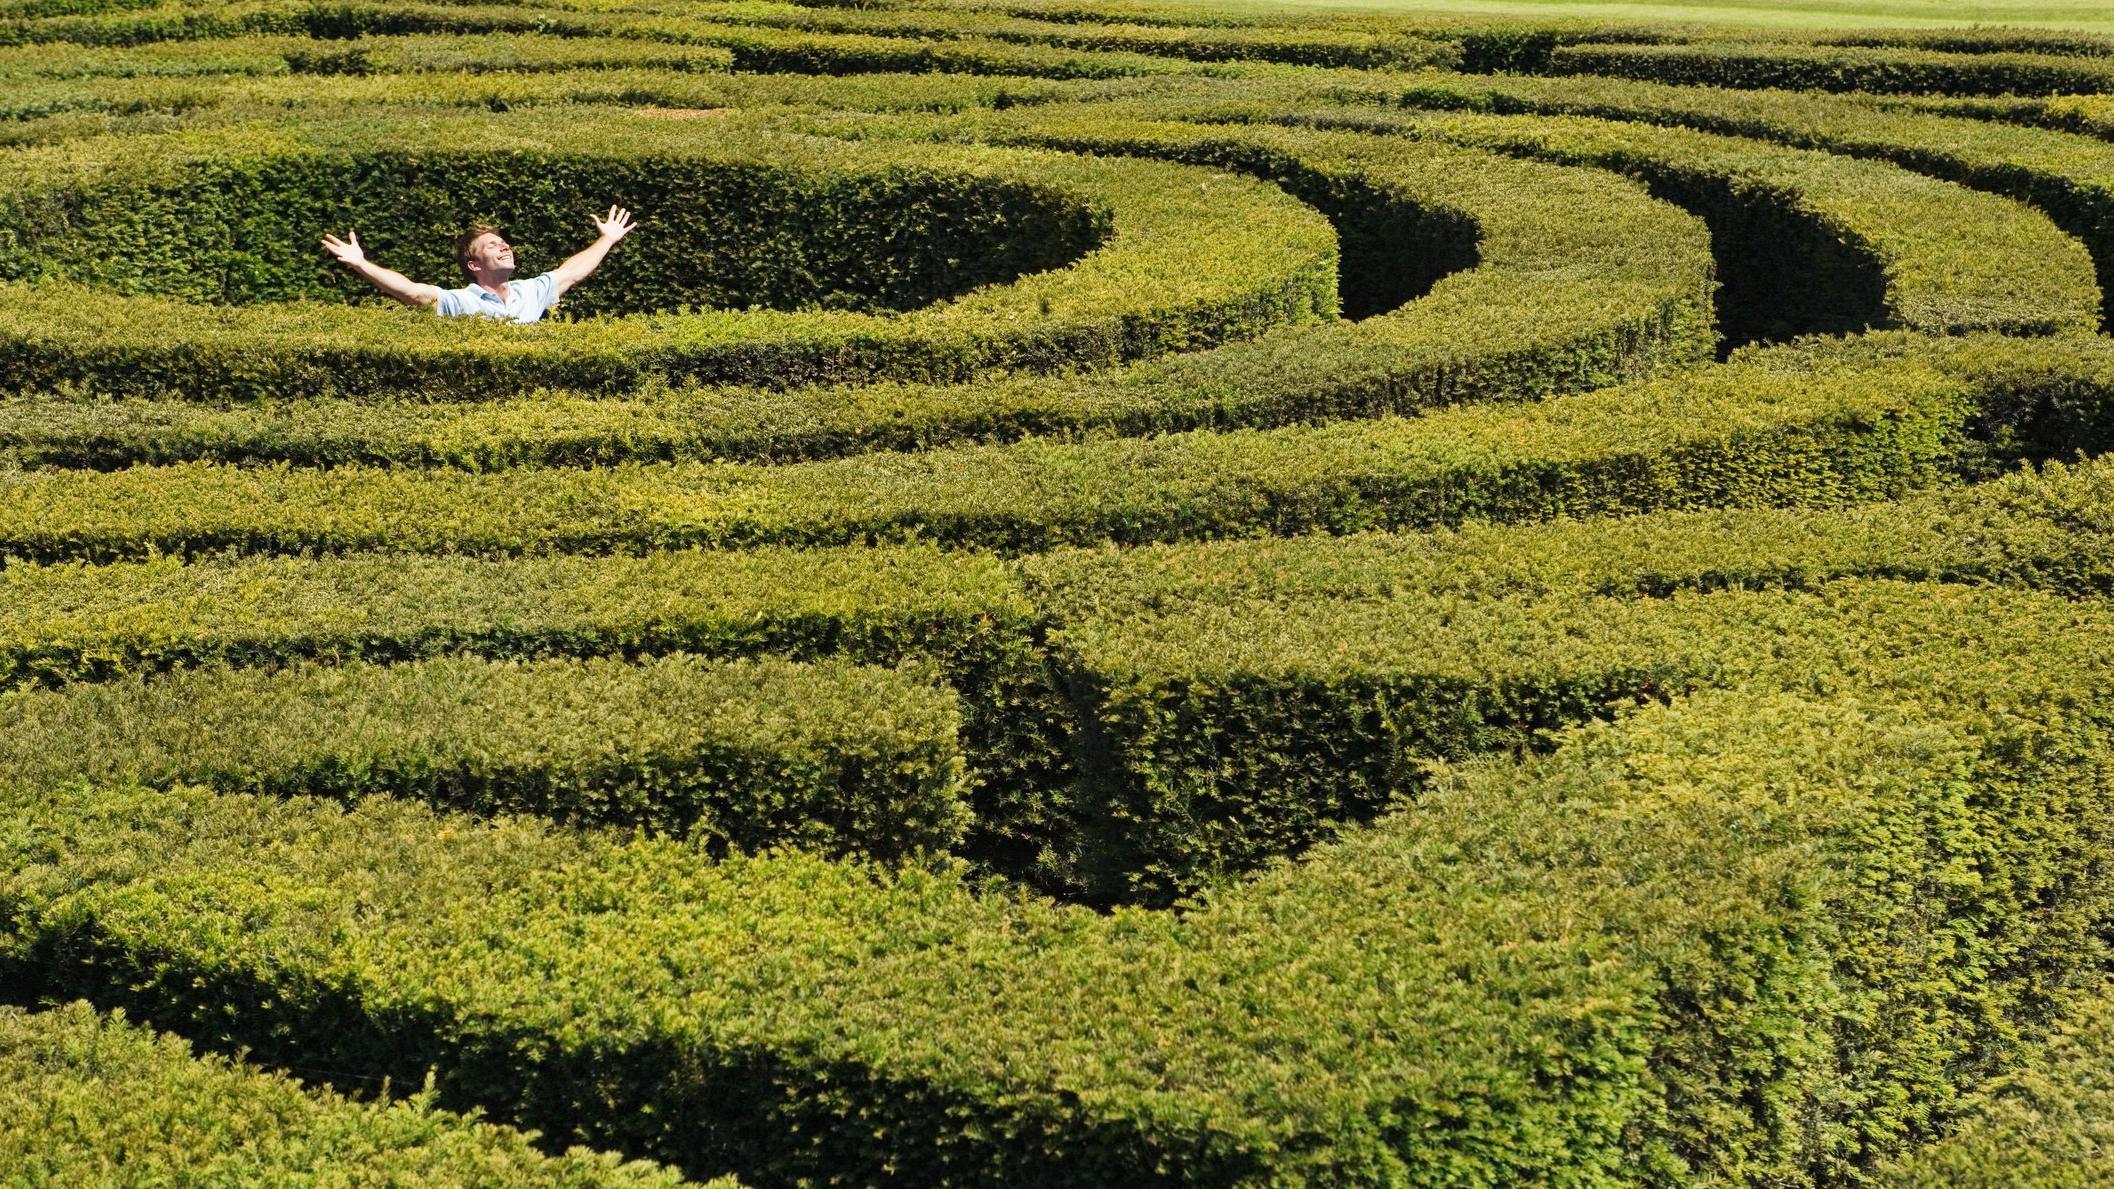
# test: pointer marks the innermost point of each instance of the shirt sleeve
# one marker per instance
(449, 305)
(549, 296)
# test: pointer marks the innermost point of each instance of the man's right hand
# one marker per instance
(347, 250)
(394, 284)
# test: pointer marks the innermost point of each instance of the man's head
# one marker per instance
(485, 256)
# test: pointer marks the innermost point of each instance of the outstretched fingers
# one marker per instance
(616, 224)
(347, 249)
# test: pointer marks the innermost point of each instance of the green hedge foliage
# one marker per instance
(165, 61)
(1897, 71)
(2087, 114)
(1742, 436)
(1390, 256)
(889, 241)
(1182, 265)
(94, 1099)
(1676, 946)
(51, 8)
(751, 46)
(1808, 242)
(1165, 649)
(72, 623)
(2046, 529)
(776, 37)
(1693, 797)
(1307, 45)
(2050, 1124)
(432, 61)
(58, 110)
(828, 756)
(958, 613)
(518, 53)
(1238, 707)
(1549, 305)
(1984, 40)
(2068, 178)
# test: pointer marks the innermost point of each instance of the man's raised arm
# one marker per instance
(608, 230)
(389, 281)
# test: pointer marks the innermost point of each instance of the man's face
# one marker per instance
(490, 259)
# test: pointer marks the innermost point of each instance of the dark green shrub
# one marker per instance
(2050, 1123)
(1810, 243)
(1575, 307)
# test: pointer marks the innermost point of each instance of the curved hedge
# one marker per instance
(1848, 245)
(1701, 978)
(1821, 68)
(81, 1091)
(1576, 307)
(1263, 261)
(1702, 780)
(830, 756)
(1739, 435)
(2069, 178)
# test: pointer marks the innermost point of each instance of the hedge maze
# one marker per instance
(1100, 595)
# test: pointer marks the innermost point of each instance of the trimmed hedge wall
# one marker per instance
(829, 756)
(1893, 71)
(1737, 435)
(1232, 706)
(1752, 831)
(751, 47)
(734, 233)
(2092, 115)
(1544, 970)
(94, 1099)
(2068, 178)
(1548, 306)
(1812, 243)
(961, 614)
(71, 622)
(1184, 265)
(2050, 1124)
(1225, 736)
(48, 111)
(781, 37)
(2047, 529)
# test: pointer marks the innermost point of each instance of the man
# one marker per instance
(488, 261)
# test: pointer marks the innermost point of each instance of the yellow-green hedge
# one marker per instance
(1736, 435)
(1631, 958)
(829, 756)
(87, 1099)
(1183, 260)
(1543, 301)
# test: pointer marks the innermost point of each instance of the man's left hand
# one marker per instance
(614, 226)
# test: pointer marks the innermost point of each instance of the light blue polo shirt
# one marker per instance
(525, 301)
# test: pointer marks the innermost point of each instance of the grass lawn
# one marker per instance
(2094, 16)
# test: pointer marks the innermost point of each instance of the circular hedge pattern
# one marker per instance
(995, 258)
(1094, 598)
